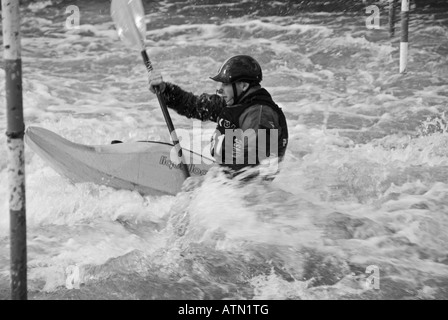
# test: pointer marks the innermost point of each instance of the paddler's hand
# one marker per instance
(156, 82)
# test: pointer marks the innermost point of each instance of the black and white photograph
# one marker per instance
(236, 152)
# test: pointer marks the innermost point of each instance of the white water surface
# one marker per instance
(364, 181)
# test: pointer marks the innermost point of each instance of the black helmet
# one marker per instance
(239, 68)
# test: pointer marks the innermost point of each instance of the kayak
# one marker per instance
(143, 166)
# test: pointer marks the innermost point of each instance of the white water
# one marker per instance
(364, 181)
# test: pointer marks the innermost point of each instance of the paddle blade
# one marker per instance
(129, 19)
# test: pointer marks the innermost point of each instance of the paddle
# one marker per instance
(129, 19)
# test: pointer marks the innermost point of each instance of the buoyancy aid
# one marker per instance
(229, 118)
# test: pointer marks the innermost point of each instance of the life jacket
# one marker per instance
(229, 119)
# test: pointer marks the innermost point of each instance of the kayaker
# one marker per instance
(239, 103)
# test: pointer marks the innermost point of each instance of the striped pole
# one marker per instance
(404, 35)
(392, 17)
(16, 163)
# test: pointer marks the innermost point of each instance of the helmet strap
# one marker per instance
(235, 93)
(236, 97)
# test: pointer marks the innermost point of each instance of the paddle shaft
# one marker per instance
(167, 117)
(129, 20)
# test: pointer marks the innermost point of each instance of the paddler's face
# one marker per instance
(225, 90)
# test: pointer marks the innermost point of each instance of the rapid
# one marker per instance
(362, 193)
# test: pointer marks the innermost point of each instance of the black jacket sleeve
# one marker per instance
(204, 107)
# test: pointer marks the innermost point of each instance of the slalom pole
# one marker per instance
(392, 4)
(404, 45)
(16, 158)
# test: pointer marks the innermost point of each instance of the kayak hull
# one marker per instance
(145, 167)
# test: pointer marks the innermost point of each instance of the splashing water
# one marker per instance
(364, 182)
